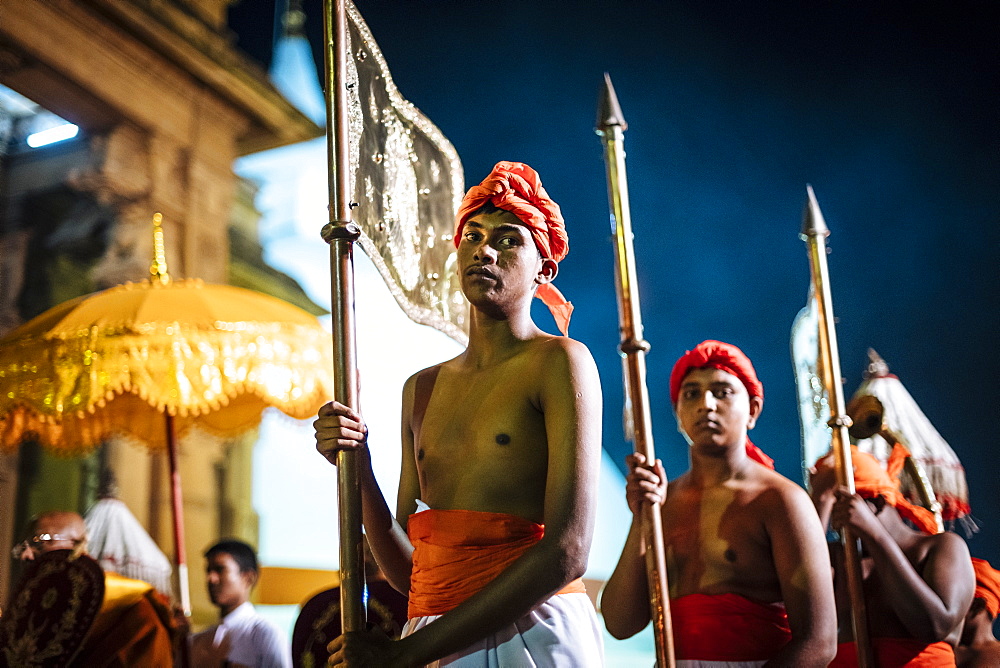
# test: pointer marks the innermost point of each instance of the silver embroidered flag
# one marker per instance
(407, 180)
(814, 404)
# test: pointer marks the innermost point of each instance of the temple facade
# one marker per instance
(163, 103)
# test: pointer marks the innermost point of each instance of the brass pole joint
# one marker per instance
(841, 421)
(631, 346)
(345, 229)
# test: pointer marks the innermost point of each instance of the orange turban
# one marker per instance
(987, 585)
(515, 187)
(870, 481)
(718, 355)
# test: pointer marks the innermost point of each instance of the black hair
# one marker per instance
(487, 207)
(241, 553)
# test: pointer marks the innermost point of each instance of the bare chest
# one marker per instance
(716, 542)
(482, 443)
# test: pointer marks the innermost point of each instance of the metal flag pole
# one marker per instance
(341, 233)
(611, 127)
(814, 233)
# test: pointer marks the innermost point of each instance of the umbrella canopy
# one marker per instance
(114, 362)
(148, 361)
(909, 424)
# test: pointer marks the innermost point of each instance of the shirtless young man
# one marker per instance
(503, 444)
(917, 584)
(747, 564)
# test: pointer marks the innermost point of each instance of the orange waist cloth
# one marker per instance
(458, 552)
(898, 653)
(727, 627)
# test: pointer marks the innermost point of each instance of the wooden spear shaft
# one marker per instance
(814, 233)
(341, 233)
(633, 348)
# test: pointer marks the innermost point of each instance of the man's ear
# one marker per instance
(251, 576)
(756, 406)
(547, 272)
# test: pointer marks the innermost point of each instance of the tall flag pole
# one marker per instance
(611, 127)
(341, 233)
(395, 182)
(814, 233)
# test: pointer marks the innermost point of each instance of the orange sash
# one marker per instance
(458, 552)
(899, 653)
(727, 627)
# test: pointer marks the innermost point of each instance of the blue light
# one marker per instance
(52, 135)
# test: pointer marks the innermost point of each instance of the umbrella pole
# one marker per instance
(180, 555)
(341, 233)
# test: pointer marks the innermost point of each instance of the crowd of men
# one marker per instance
(494, 514)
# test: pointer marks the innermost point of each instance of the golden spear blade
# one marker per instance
(611, 127)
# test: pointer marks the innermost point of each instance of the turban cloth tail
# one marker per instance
(987, 585)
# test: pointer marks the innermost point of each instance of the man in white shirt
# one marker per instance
(242, 637)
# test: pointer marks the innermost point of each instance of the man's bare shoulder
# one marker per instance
(779, 494)
(946, 545)
(548, 344)
(410, 386)
(554, 349)
(774, 480)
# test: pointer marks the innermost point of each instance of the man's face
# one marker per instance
(227, 586)
(498, 260)
(714, 409)
(54, 531)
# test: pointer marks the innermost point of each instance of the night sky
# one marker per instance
(889, 110)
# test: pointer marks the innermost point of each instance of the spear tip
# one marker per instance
(609, 112)
(813, 223)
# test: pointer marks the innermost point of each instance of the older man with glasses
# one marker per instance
(134, 626)
(54, 530)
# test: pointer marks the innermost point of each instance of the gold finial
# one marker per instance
(158, 269)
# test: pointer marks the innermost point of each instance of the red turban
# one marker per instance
(871, 480)
(718, 355)
(515, 187)
(987, 585)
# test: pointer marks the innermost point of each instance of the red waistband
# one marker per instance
(727, 627)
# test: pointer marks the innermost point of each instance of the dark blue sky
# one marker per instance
(890, 111)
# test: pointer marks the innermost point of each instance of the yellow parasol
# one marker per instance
(150, 360)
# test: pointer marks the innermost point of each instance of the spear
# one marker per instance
(633, 348)
(814, 233)
(341, 232)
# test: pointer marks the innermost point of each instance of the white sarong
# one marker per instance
(562, 632)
